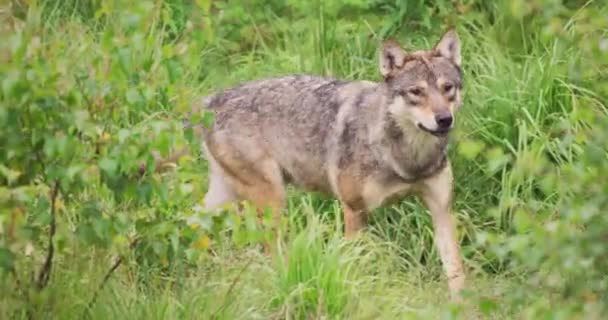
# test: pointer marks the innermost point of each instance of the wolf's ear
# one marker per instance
(449, 46)
(392, 58)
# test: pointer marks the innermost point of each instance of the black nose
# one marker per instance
(444, 120)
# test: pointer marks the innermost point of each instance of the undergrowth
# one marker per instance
(91, 89)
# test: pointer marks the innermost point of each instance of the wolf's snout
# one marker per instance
(444, 120)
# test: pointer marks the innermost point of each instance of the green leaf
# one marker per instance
(208, 119)
(497, 159)
(73, 172)
(133, 96)
(123, 134)
(205, 5)
(522, 221)
(487, 306)
(109, 166)
(80, 119)
(10, 174)
(469, 148)
(7, 259)
(174, 70)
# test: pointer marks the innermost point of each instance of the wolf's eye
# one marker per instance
(416, 92)
(447, 88)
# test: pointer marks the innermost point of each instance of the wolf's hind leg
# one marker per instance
(248, 171)
(251, 176)
(266, 192)
(219, 192)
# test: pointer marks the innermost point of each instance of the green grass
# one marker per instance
(142, 65)
(319, 275)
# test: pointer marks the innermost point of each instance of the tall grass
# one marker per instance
(141, 67)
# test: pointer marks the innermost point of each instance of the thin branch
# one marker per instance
(45, 272)
(23, 293)
(86, 97)
(107, 276)
(227, 302)
(20, 290)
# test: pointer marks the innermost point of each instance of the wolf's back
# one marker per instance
(290, 118)
(283, 90)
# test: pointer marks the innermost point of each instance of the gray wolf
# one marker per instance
(365, 143)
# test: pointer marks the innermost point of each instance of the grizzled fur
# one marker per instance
(294, 119)
(291, 117)
(366, 143)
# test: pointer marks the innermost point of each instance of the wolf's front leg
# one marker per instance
(437, 195)
(354, 220)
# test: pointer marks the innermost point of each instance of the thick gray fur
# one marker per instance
(295, 120)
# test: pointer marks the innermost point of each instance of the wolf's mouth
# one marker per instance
(438, 133)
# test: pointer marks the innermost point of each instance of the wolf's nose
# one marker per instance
(444, 120)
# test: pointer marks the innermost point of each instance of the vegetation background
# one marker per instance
(90, 88)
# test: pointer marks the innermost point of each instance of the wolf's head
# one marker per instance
(424, 86)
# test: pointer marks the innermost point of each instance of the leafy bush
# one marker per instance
(91, 91)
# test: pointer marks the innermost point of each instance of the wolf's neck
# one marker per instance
(410, 152)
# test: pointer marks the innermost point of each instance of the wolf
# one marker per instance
(366, 143)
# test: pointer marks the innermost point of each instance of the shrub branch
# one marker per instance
(107, 276)
(228, 301)
(45, 272)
